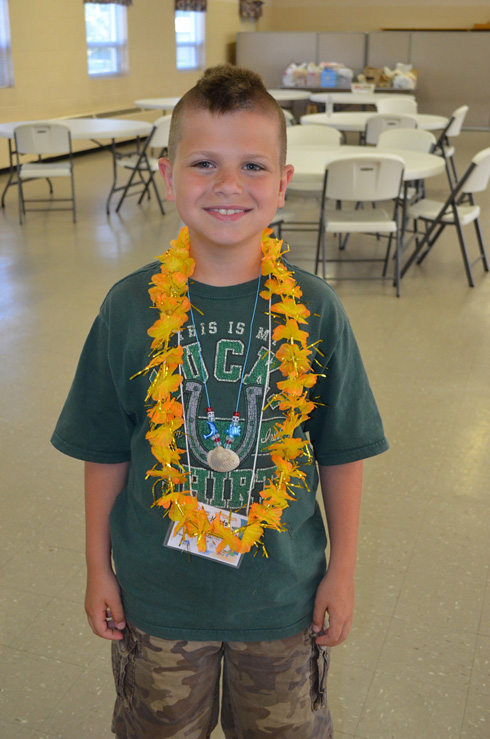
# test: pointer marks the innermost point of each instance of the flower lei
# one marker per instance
(169, 296)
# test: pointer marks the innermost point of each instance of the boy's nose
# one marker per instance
(228, 182)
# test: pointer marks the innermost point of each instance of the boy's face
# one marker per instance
(227, 179)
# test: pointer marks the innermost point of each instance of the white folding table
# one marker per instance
(356, 121)
(91, 129)
(310, 162)
(163, 104)
(330, 99)
(289, 96)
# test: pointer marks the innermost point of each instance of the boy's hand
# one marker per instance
(335, 596)
(104, 607)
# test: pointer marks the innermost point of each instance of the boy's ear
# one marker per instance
(165, 168)
(287, 173)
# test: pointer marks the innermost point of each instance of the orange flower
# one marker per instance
(276, 495)
(176, 261)
(290, 331)
(169, 499)
(163, 386)
(226, 534)
(265, 514)
(285, 285)
(169, 474)
(165, 327)
(285, 467)
(167, 456)
(295, 385)
(251, 537)
(291, 309)
(302, 405)
(294, 359)
(166, 412)
(290, 448)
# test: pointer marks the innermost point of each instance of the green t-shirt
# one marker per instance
(166, 592)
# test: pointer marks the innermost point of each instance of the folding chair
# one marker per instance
(371, 177)
(380, 122)
(445, 148)
(143, 167)
(43, 139)
(413, 139)
(290, 120)
(398, 105)
(315, 135)
(453, 213)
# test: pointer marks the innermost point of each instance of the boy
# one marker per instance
(176, 606)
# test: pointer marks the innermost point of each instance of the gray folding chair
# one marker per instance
(438, 215)
(43, 139)
(380, 122)
(143, 166)
(403, 105)
(314, 135)
(363, 178)
(290, 120)
(413, 139)
(444, 146)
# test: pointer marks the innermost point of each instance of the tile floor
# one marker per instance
(417, 663)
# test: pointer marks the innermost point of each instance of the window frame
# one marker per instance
(197, 45)
(119, 45)
(6, 66)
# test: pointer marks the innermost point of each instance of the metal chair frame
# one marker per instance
(381, 226)
(456, 197)
(443, 145)
(42, 168)
(141, 165)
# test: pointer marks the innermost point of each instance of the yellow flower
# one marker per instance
(290, 331)
(302, 405)
(167, 411)
(265, 514)
(250, 537)
(166, 327)
(276, 494)
(167, 456)
(289, 448)
(294, 359)
(226, 534)
(291, 309)
(163, 386)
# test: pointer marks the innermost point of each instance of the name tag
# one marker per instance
(175, 538)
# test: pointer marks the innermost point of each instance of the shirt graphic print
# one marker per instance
(224, 347)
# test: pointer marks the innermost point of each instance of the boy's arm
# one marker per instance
(103, 483)
(341, 489)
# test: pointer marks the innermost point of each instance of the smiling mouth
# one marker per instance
(228, 211)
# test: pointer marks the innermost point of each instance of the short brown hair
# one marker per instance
(227, 89)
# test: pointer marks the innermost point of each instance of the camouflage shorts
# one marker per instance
(275, 689)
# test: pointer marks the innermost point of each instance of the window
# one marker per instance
(107, 39)
(6, 72)
(189, 36)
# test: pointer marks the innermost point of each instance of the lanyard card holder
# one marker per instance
(175, 539)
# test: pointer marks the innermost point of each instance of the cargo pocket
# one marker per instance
(320, 661)
(123, 667)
